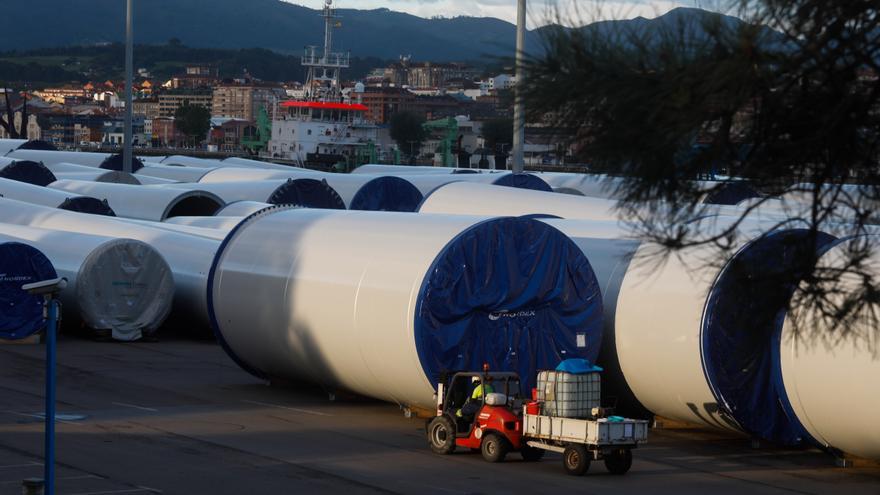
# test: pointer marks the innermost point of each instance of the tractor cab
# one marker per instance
(467, 394)
(478, 411)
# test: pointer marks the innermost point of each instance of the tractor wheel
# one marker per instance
(441, 435)
(619, 461)
(495, 447)
(531, 454)
(576, 460)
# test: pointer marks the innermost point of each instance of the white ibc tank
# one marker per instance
(146, 203)
(832, 376)
(420, 295)
(121, 285)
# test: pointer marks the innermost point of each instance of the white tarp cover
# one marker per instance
(126, 286)
(121, 285)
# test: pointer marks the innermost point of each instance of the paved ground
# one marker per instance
(179, 417)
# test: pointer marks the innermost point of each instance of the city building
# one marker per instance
(502, 82)
(244, 101)
(165, 133)
(195, 77)
(170, 101)
(227, 134)
(33, 127)
(146, 107)
(383, 102)
(423, 75)
(62, 95)
(66, 130)
(114, 132)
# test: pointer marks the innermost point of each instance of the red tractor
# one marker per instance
(490, 422)
(485, 412)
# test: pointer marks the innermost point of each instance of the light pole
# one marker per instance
(519, 110)
(129, 82)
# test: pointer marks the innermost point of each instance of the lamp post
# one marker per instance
(129, 82)
(519, 110)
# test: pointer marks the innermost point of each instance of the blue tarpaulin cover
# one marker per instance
(28, 171)
(577, 367)
(523, 181)
(87, 204)
(115, 162)
(38, 144)
(307, 193)
(22, 313)
(731, 193)
(511, 292)
(742, 326)
(387, 194)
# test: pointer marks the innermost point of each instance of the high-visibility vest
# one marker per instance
(478, 392)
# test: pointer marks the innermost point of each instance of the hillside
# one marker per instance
(266, 38)
(269, 24)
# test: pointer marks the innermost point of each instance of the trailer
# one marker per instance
(486, 412)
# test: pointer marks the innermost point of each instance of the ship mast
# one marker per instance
(324, 67)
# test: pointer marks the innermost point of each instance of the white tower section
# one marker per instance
(324, 67)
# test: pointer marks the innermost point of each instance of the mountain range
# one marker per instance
(275, 25)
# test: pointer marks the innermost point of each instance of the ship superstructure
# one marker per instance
(325, 127)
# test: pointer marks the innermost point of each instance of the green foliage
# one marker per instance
(58, 65)
(794, 109)
(194, 121)
(407, 130)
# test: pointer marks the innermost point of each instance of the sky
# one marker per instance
(540, 11)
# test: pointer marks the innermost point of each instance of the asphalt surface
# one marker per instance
(178, 417)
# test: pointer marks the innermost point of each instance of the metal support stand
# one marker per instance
(49, 290)
(51, 347)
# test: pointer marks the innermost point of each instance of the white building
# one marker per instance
(502, 82)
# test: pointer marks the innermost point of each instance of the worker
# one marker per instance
(475, 401)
